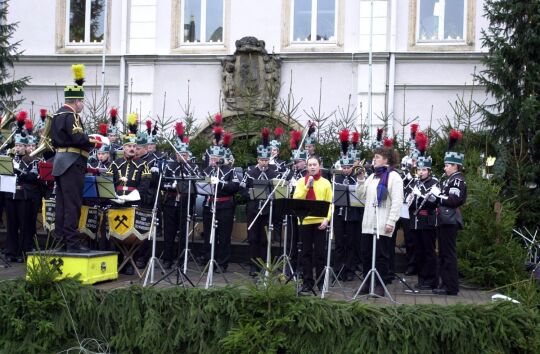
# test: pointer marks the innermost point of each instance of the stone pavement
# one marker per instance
(237, 274)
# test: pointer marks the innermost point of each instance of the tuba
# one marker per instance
(45, 143)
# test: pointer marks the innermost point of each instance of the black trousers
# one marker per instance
(313, 247)
(174, 220)
(409, 243)
(426, 258)
(448, 270)
(69, 193)
(382, 256)
(347, 237)
(257, 236)
(225, 220)
(19, 226)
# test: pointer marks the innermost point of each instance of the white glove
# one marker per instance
(293, 182)
(409, 176)
(174, 185)
(310, 182)
(435, 190)
(242, 184)
(214, 180)
(123, 179)
(416, 191)
(154, 169)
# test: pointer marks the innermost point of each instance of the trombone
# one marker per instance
(45, 139)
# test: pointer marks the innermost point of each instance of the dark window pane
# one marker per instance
(76, 20)
(326, 17)
(429, 20)
(192, 21)
(454, 13)
(214, 20)
(98, 20)
(302, 20)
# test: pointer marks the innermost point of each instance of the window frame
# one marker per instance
(87, 22)
(314, 18)
(440, 26)
(466, 45)
(183, 43)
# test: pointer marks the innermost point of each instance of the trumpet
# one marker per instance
(359, 168)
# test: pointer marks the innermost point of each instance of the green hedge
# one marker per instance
(233, 320)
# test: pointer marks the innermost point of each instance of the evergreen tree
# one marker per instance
(512, 77)
(9, 53)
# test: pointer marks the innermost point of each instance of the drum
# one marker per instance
(129, 225)
(89, 221)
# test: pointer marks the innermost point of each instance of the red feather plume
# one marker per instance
(278, 132)
(179, 127)
(185, 140)
(28, 124)
(43, 113)
(388, 143)
(421, 142)
(355, 138)
(414, 128)
(103, 129)
(227, 139)
(148, 126)
(265, 132)
(217, 134)
(218, 118)
(21, 116)
(344, 135)
(454, 137)
(296, 135)
(114, 112)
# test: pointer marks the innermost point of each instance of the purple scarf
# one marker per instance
(382, 188)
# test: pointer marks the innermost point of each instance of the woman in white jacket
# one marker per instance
(383, 195)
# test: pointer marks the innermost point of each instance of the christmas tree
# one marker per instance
(9, 53)
(512, 76)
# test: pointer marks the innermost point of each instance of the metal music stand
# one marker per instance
(301, 208)
(262, 190)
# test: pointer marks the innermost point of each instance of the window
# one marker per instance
(313, 21)
(441, 21)
(85, 22)
(202, 21)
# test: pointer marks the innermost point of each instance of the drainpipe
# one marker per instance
(123, 52)
(392, 66)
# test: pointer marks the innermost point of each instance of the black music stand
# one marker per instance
(261, 191)
(301, 208)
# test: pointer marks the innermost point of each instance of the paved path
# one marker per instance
(237, 275)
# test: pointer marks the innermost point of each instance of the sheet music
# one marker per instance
(8, 184)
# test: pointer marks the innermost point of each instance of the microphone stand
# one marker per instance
(328, 269)
(212, 262)
(151, 264)
(373, 272)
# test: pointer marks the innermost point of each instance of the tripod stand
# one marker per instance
(328, 270)
(209, 268)
(149, 270)
(373, 272)
(287, 266)
(181, 276)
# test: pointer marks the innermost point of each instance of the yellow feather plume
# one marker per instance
(78, 71)
(132, 119)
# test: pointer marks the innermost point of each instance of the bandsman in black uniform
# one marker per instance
(261, 171)
(113, 133)
(275, 145)
(175, 204)
(423, 217)
(72, 150)
(453, 195)
(151, 145)
(347, 220)
(131, 174)
(20, 206)
(228, 184)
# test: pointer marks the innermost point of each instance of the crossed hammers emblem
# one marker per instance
(120, 221)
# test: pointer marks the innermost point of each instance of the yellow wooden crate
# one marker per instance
(93, 266)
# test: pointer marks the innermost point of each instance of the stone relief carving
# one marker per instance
(250, 77)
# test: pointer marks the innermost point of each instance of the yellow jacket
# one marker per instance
(323, 191)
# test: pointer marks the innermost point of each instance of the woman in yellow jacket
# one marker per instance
(312, 230)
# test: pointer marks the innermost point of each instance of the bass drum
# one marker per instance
(198, 212)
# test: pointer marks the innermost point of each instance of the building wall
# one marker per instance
(143, 55)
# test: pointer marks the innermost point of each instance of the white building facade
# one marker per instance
(424, 52)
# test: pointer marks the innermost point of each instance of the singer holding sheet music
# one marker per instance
(312, 230)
